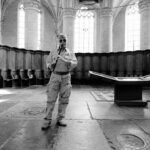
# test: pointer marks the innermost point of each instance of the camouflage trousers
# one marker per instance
(59, 87)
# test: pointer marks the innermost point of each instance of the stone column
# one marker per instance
(0, 23)
(144, 7)
(68, 26)
(105, 31)
(32, 10)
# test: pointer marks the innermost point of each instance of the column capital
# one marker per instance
(32, 4)
(105, 12)
(144, 5)
(69, 12)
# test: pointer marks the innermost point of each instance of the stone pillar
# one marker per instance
(105, 31)
(144, 7)
(0, 23)
(32, 10)
(68, 26)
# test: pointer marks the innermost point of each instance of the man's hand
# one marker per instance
(64, 59)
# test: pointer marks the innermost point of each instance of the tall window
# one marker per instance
(84, 31)
(21, 26)
(39, 31)
(132, 35)
(29, 32)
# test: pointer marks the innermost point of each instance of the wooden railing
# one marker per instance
(21, 67)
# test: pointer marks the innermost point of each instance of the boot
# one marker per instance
(46, 124)
(61, 123)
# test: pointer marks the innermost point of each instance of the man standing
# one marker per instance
(60, 62)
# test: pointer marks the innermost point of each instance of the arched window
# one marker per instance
(39, 31)
(21, 27)
(84, 31)
(29, 31)
(132, 28)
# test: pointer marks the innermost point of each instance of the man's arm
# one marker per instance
(73, 62)
(70, 60)
(50, 61)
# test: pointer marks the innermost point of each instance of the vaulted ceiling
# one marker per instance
(55, 4)
(115, 3)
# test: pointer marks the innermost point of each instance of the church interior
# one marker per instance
(109, 104)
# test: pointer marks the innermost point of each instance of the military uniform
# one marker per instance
(59, 85)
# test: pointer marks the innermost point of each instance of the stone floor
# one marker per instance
(92, 124)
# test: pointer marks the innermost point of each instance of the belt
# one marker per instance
(60, 73)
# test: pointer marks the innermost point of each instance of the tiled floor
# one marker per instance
(91, 124)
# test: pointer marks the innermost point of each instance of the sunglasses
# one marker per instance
(64, 40)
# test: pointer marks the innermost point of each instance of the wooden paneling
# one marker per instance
(138, 57)
(129, 64)
(38, 60)
(33, 65)
(148, 61)
(27, 60)
(24, 62)
(3, 58)
(96, 62)
(145, 62)
(104, 63)
(112, 64)
(12, 59)
(20, 60)
(87, 65)
(120, 64)
(79, 69)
